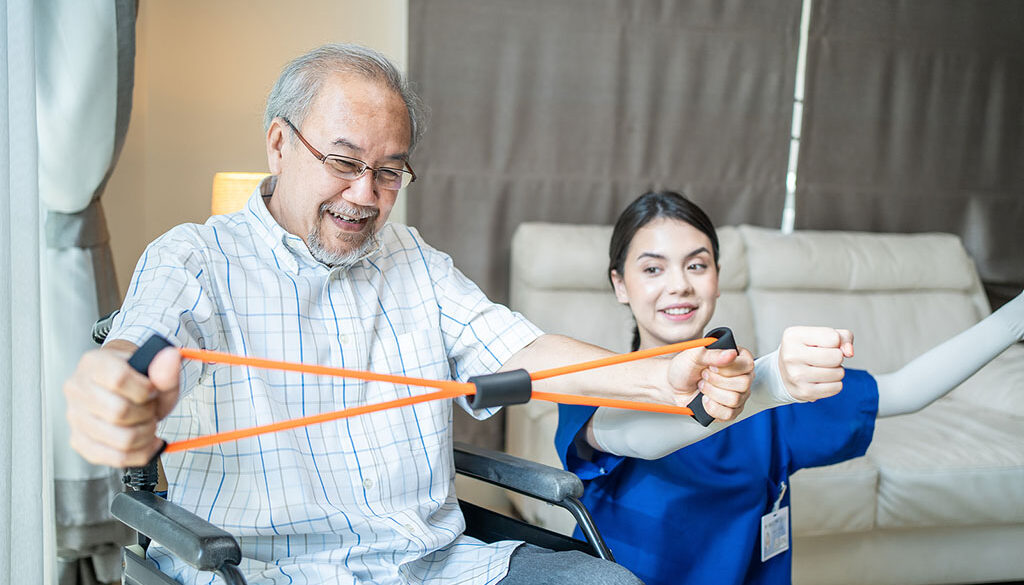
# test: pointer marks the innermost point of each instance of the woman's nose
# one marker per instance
(678, 282)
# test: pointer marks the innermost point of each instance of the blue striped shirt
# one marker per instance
(365, 499)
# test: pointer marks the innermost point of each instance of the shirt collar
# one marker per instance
(289, 249)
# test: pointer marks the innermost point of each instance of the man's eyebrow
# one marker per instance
(345, 143)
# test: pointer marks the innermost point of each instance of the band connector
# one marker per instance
(501, 389)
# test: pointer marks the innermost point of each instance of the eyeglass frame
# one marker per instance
(323, 160)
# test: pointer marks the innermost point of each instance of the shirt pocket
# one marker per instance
(419, 353)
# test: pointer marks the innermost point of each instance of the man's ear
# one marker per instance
(620, 287)
(275, 144)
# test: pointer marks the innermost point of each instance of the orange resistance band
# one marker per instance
(447, 389)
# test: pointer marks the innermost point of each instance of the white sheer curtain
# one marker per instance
(26, 536)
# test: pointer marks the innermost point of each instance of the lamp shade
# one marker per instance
(232, 190)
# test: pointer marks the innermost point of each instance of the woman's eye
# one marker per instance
(697, 266)
(651, 270)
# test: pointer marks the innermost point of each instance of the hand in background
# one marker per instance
(113, 410)
(811, 361)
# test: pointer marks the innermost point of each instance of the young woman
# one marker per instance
(675, 510)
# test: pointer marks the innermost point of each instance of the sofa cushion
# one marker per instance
(890, 327)
(949, 465)
(866, 282)
(835, 498)
(997, 386)
(831, 260)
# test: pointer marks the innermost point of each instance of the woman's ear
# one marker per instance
(718, 276)
(620, 287)
(275, 144)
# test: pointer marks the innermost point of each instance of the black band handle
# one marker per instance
(725, 341)
(145, 478)
(143, 356)
(501, 389)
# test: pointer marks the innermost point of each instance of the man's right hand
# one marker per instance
(113, 410)
(722, 376)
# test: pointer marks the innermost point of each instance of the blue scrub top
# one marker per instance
(694, 516)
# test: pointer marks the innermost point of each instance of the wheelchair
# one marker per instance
(209, 548)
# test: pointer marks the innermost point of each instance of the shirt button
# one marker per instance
(601, 471)
(344, 339)
(367, 483)
(410, 528)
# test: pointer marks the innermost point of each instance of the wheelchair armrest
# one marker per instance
(519, 475)
(187, 536)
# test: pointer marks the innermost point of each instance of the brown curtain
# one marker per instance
(567, 110)
(915, 122)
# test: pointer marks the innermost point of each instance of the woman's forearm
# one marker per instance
(647, 435)
(944, 367)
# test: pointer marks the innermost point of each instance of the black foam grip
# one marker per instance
(142, 357)
(724, 336)
(501, 389)
(725, 341)
(145, 478)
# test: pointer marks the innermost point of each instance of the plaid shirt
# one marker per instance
(364, 499)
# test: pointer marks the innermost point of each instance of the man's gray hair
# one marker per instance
(300, 81)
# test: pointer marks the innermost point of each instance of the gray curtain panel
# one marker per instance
(567, 110)
(85, 64)
(914, 122)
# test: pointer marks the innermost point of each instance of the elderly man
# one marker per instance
(309, 271)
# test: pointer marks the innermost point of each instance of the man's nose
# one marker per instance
(362, 191)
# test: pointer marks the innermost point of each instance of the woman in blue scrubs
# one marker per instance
(678, 503)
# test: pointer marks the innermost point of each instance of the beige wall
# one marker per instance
(202, 72)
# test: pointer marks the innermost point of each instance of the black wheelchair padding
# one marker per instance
(725, 341)
(501, 389)
(189, 537)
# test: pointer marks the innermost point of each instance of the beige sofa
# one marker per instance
(939, 497)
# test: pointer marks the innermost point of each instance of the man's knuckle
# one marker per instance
(122, 410)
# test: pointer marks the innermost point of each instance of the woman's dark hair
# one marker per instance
(644, 210)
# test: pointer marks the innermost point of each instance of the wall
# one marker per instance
(203, 70)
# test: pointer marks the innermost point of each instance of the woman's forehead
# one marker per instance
(668, 237)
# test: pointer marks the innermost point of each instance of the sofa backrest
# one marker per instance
(559, 280)
(899, 293)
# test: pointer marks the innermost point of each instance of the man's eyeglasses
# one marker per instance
(348, 168)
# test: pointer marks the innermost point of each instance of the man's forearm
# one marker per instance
(644, 380)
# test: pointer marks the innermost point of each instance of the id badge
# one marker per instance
(774, 533)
